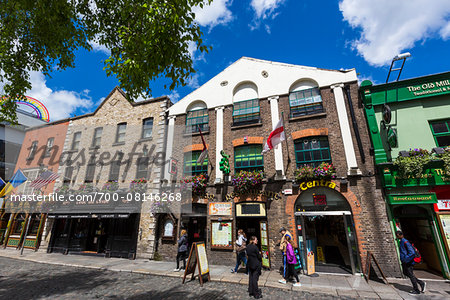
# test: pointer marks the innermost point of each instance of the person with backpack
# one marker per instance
(241, 244)
(409, 256)
(291, 261)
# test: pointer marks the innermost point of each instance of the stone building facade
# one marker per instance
(110, 150)
(236, 111)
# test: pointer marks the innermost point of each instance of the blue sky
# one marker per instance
(359, 34)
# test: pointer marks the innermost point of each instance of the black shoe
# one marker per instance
(258, 296)
(423, 287)
(414, 293)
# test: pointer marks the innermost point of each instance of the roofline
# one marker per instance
(402, 82)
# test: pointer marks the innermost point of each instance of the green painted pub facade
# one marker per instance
(409, 125)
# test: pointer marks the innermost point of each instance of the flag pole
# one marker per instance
(286, 140)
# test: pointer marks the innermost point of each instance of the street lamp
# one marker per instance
(402, 56)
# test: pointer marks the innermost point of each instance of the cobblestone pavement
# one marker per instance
(28, 280)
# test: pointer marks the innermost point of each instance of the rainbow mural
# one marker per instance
(39, 108)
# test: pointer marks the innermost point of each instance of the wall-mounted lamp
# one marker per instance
(343, 185)
(438, 150)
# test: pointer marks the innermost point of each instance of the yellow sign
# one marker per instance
(320, 256)
(311, 263)
(315, 183)
(202, 259)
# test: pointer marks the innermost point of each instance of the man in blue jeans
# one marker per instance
(407, 254)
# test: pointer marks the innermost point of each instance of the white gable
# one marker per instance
(248, 76)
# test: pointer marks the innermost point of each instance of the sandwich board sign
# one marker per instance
(197, 259)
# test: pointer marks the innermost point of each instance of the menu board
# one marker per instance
(222, 234)
(220, 208)
(202, 259)
(264, 245)
(445, 224)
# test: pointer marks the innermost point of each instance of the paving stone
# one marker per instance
(367, 295)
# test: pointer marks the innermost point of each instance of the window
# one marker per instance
(142, 167)
(19, 224)
(68, 174)
(147, 128)
(32, 150)
(441, 132)
(76, 140)
(197, 119)
(90, 172)
(312, 151)
(248, 158)
(246, 112)
(121, 130)
(191, 166)
(31, 175)
(48, 148)
(305, 102)
(168, 228)
(114, 170)
(97, 139)
(35, 221)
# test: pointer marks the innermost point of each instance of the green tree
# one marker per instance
(147, 40)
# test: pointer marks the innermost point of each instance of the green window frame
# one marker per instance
(248, 158)
(197, 118)
(441, 132)
(191, 167)
(246, 111)
(312, 151)
(305, 102)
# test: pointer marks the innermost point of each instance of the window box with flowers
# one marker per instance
(245, 181)
(411, 163)
(111, 186)
(323, 171)
(138, 185)
(446, 158)
(197, 184)
(87, 188)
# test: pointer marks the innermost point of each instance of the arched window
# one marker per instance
(312, 151)
(248, 158)
(305, 99)
(192, 167)
(245, 104)
(197, 117)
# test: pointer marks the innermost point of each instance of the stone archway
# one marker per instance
(356, 209)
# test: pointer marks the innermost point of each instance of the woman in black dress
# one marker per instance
(254, 268)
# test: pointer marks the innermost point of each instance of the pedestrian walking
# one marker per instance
(283, 244)
(241, 244)
(254, 268)
(291, 261)
(182, 250)
(407, 255)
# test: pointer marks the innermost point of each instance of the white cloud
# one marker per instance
(217, 13)
(193, 81)
(266, 8)
(60, 103)
(174, 96)
(99, 48)
(390, 27)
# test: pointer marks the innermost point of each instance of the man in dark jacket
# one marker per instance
(407, 254)
(254, 268)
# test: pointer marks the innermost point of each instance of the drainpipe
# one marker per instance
(355, 124)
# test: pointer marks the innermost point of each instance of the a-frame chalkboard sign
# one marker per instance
(369, 265)
(197, 258)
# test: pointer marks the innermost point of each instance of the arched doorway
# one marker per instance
(417, 224)
(325, 226)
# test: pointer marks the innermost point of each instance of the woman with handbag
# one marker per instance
(241, 244)
(254, 268)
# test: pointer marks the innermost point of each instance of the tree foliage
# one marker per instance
(147, 40)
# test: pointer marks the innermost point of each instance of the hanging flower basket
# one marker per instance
(446, 158)
(245, 181)
(197, 184)
(412, 166)
(138, 185)
(323, 171)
